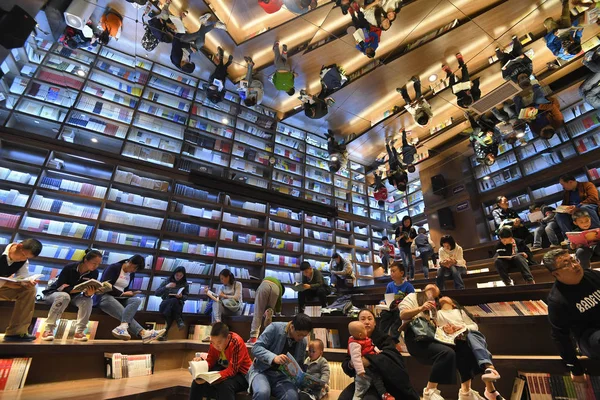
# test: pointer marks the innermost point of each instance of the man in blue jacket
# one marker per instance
(564, 37)
(270, 351)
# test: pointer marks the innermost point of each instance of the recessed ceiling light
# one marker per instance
(36, 121)
(54, 130)
(432, 78)
(485, 178)
(80, 72)
(225, 121)
(520, 135)
(94, 140)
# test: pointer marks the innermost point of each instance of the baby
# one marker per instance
(359, 345)
(317, 365)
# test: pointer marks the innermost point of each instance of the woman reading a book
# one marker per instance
(229, 297)
(174, 292)
(120, 302)
(63, 292)
(389, 363)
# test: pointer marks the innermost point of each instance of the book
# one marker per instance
(199, 370)
(388, 300)
(528, 113)
(585, 238)
(99, 287)
(13, 373)
(212, 295)
(31, 278)
(178, 292)
(298, 287)
(564, 209)
(448, 338)
(302, 380)
(535, 216)
(518, 386)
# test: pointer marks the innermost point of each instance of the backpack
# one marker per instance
(149, 41)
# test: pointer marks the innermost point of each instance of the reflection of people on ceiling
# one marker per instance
(271, 6)
(300, 6)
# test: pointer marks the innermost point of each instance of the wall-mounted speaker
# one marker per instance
(438, 184)
(446, 218)
(79, 12)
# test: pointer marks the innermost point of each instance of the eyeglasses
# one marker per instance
(569, 263)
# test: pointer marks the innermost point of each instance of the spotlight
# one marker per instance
(486, 178)
(94, 140)
(520, 135)
(432, 78)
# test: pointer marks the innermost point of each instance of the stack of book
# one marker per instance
(120, 366)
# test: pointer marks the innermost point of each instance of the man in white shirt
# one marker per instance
(14, 261)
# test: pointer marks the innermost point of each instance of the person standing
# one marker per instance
(283, 77)
(15, 261)
(512, 253)
(60, 294)
(573, 310)
(266, 302)
(419, 108)
(386, 253)
(408, 153)
(227, 354)
(564, 36)
(582, 195)
(270, 351)
(380, 193)
(452, 263)
(253, 89)
(313, 285)
(342, 272)
(405, 235)
(174, 292)
(229, 295)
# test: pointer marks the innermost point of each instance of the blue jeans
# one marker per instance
(585, 254)
(425, 257)
(565, 221)
(60, 301)
(114, 308)
(455, 272)
(408, 262)
(273, 382)
(478, 346)
(549, 230)
(589, 343)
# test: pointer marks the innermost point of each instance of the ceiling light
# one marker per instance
(94, 140)
(55, 130)
(520, 135)
(334, 158)
(36, 121)
(432, 78)
(487, 177)
(225, 121)
(80, 72)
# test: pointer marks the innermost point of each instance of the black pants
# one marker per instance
(516, 51)
(393, 159)
(172, 310)
(463, 71)
(518, 262)
(444, 359)
(406, 97)
(320, 292)
(224, 390)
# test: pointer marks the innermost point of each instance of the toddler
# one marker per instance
(583, 222)
(317, 366)
(452, 318)
(359, 345)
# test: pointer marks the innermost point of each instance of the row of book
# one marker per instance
(13, 373)
(130, 178)
(312, 234)
(285, 228)
(238, 272)
(128, 239)
(13, 197)
(42, 203)
(97, 124)
(12, 175)
(509, 308)
(67, 185)
(245, 238)
(281, 244)
(329, 337)
(235, 254)
(191, 229)
(60, 252)
(120, 366)
(51, 227)
(286, 261)
(542, 386)
(318, 250)
(191, 267)
(136, 199)
(186, 247)
(283, 276)
(239, 220)
(200, 212)
(128, 218)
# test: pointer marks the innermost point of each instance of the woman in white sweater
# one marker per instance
(452, 263)
(229, 296)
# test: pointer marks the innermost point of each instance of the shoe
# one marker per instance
(276, 44)
(555, 246)
(23, 337)
(399, 90)
(330, 101)
(180, 323)
(268, 317)
(249, 60)
(432, 394)
(490, 375)
(121, 333)
(230, 58)
(415, 78)
(531, 282)
(492, 395)
(48, 336)
(509, 283)
(206, 339)
(163, 338)
(284, 48)
(565, 243)
(220, 25)
(152, 335)
(460, 58)
(220, 51)
(387, 396)
(535, 247)
(446, 69)
(470, 395)
(204, 19)
(252, 340)
(80, 337)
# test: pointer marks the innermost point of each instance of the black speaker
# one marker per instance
(15, 26)
(446, 218)
(438, 184)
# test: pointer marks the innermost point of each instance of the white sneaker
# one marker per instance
(565, 243)
(204, 19)
(470, 395)
(220, 25)
(432, 394)
(152, 335)
(121, 333)
(47, 336)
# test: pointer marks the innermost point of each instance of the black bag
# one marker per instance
(423, 329)
(149, 41)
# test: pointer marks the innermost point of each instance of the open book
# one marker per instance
(99, 287)
(180, 291)
(178, 23)
(212, 295)
(563, 209)
(535, 216)
(528, 113)
(460, 86)
(301, 379)
(298, 287)
(199, 370)
(32, 278)
(585, 238)
(448, 338)
(388, 299)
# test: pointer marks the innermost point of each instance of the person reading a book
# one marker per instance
(390, 364)
(458, 325)
(270, 351)
(397, 175)
(229, 356)
(546, 117)
(548, 226)
(563, 37)
(399, 287)
(452, 263)
(586, 248)
(419, 108)
(360, 345)
(63, 292)
(228, 299)
(215, 88)
(503, 214)
(120, 302)
(316, 365)
(520, 231)
(174, 291)
(576, 195)
(313, 285)
(466, 92)
(516, 66)
(573, 310)
(14, 263)
(386, 253)
(267, 301)
(404, 235)
(483, 138)
(423, 244)
(511, 253)
(342, 272)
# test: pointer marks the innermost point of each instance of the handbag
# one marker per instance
(423, 329)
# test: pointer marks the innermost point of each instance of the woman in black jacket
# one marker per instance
(60, 294)
(174, 292)
(119, 303)
(389, 364)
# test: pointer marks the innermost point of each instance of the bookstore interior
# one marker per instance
(177, 194)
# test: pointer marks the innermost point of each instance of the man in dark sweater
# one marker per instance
(313, 285)
(14, 261)
(574, 309)
(512, 253)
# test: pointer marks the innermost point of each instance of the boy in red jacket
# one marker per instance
(229, 355)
